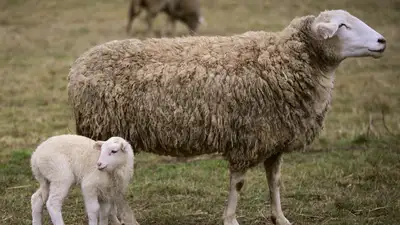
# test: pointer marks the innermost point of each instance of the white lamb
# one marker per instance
(62, 160)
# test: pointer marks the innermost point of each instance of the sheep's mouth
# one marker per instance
(377, 50)
(101, 168)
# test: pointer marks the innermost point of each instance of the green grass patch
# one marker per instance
(340, 187)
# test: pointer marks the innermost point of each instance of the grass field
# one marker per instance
(350, 175)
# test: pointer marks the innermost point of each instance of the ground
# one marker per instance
(348, 176)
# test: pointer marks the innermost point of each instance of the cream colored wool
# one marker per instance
(247, 96)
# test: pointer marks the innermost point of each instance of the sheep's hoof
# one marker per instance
(280, 221)
(231, 222)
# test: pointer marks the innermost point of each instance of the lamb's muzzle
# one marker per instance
(100, 166)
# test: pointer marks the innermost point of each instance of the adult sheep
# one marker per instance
(186, 11)
(63, 160)
(251, 96)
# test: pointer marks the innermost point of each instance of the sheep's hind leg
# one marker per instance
(272, 168)
(58, 191)
(38, 200)
(92, 205)
(236, 184)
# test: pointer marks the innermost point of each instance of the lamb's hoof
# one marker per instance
(280, 221)
(231, 222)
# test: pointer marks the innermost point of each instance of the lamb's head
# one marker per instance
(114, 153)
(352, 36)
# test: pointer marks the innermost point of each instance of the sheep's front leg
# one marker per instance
(171, 31)
(91, 202)
(127, 214)
(149, 20)
(236, 184)
(92, 208)
(272, 168)
(105, 208)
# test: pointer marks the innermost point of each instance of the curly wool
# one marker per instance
(247, 96)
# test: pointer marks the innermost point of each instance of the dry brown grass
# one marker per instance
(40, 39)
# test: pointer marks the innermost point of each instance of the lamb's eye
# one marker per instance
(342, 24)
(114, 151)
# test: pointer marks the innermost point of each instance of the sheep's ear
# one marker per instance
(202, 21)
(122, 147)
(125, 146)
(97, 145)
(325, 30)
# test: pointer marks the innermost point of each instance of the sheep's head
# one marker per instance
(354, 37)
(194, 21)
(113, 153)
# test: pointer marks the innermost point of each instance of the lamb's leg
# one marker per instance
(113, 215)
(92, 205)
(105, 208)
(58, 191)
(38, 200)
(126, 213)
(272, 168)
(236, 184)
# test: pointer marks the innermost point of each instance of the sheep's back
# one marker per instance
(190, 96)
(65, 152)
(210, 100)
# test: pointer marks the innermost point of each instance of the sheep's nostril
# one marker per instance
(382, 40)
(99, 164)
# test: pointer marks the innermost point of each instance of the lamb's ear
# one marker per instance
(122, 147)
(125, 146)
(97, 145)
(325, 30)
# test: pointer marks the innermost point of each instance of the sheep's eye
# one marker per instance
(342, 24)
(114, 151)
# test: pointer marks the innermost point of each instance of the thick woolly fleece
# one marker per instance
(248, 96)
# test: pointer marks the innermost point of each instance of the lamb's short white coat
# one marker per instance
(102, 168)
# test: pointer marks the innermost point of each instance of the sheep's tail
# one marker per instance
(44, 183)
